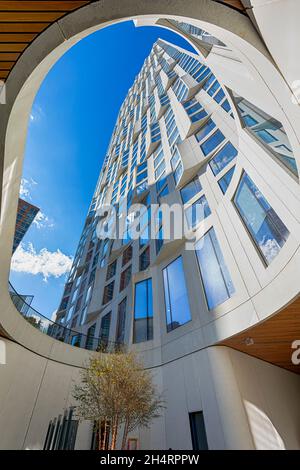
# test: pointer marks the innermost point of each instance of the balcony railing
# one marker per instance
(58, 331)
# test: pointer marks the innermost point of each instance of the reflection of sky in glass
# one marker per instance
(143, 299)
(225, 180)
(216, 279)
(190, 190)
(212, 142)
(198, 211)
(222, 158)
(176, 298)
(267, 229)
(205, 130)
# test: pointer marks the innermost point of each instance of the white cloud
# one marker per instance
(42, 221)
(36, 113)
(28, 260)
(53, 316)
(25, 187)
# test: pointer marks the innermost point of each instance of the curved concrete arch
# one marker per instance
(21, 88)
(52, 364)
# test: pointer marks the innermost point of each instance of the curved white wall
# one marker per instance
(31, 402)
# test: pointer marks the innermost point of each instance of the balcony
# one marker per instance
(153, 139)
(58, 331)
(137, 128)
(191, 158)
(167, 79)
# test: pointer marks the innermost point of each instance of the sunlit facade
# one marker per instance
(213, 314)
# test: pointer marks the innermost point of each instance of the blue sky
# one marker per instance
(71, 122)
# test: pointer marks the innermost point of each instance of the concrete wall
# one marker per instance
(33, 390)
(247, 403)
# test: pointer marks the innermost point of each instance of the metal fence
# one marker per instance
(58, 331)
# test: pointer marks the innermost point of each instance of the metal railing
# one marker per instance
(58, 331)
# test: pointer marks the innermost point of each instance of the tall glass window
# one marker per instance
(269, 131)
(222, 158)
(176, 296)
(224, 182)
(216, 279)
(104, 331)
(212, 142)
(143, 312)
(197, 212)
(120, 333)
(190, 190)
(205, 130)
(266, 228)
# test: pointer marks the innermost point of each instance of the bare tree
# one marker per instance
(115, 391)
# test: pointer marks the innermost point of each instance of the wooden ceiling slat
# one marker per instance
(5, 47)
(37, 5)
(16, 37)
(30, 17)
(6, 65)
(233, 3)
(3, 74)
(9, 56)
(22, 27)
(272, 338)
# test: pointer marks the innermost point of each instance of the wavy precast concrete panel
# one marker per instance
(271, 399)
(20, 379)
(33, 390)
(285, 21)
(230, 405)
(48, 405)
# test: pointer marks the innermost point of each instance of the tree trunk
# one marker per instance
(114, 433)
(105, 435)
(99, 435)
(125, 434)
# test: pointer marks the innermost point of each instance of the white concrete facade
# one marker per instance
(234, 391)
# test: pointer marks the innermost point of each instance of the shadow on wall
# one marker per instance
(264, 433)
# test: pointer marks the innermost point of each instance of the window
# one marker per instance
(266, 136)
(266, 228)
(198, 433)
(222, 158)
(219, 96)
(176, 297)
(190, 190)
(159, 240)
(269, 131)
(205, 130)
(127, 255)
(180, 89)
(120, 333)
(108, 292)
(216, 279)
(197, 212)
(225, 180)
(143, 312)
(104, 331)
(111, 270)
(212, 142)
(194, 110)
(176, 165)
(125, 278)
(145, 259)
(89, 344)
(214, 88)
(249, 120)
